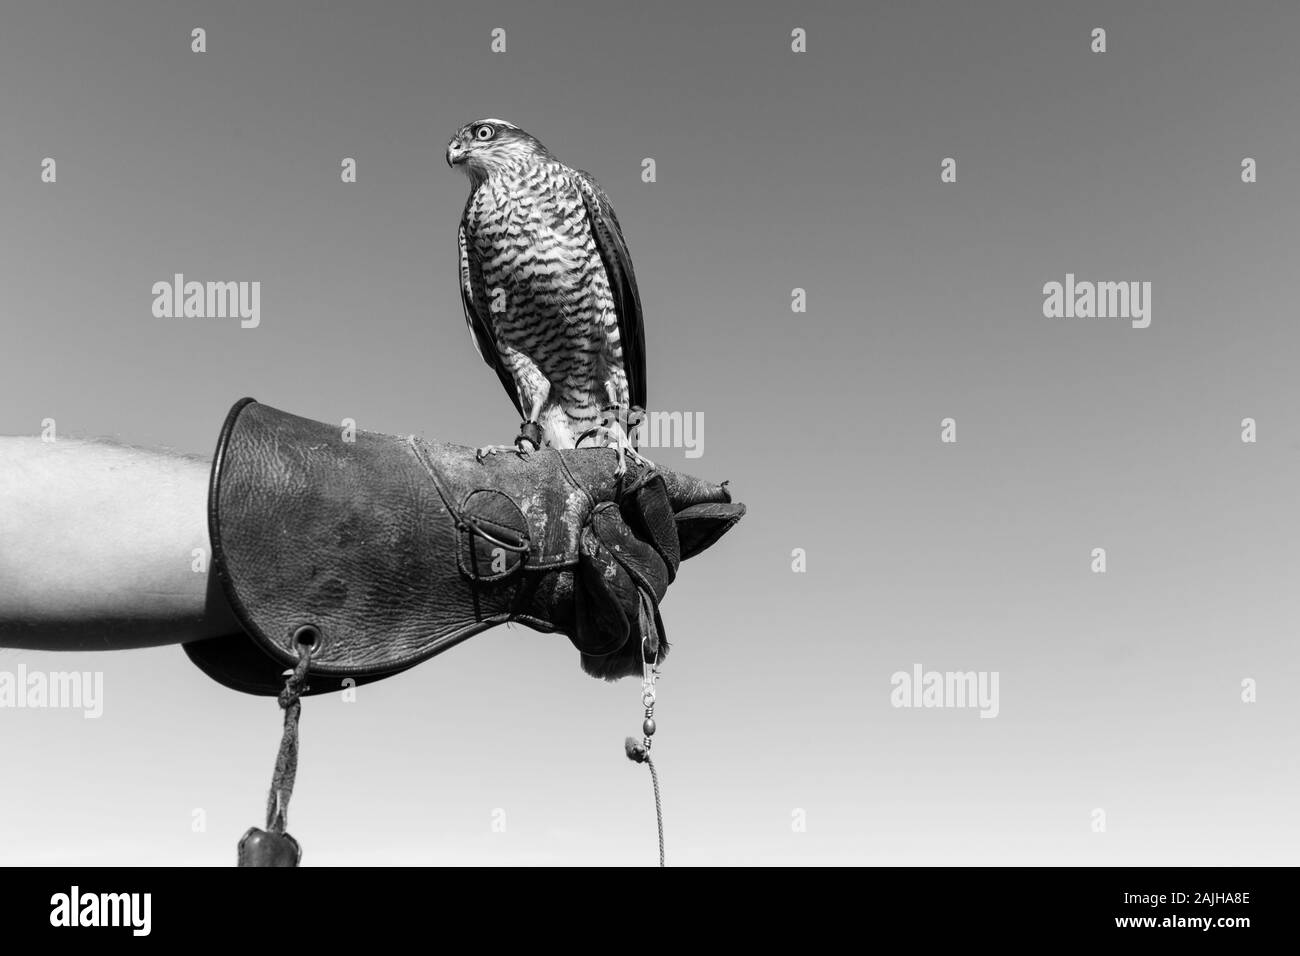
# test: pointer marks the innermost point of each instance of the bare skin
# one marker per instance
(104, 547)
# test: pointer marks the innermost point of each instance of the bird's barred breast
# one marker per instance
(545, 284)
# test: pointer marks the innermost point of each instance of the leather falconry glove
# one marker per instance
(381, 552)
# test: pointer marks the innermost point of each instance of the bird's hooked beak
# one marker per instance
(455, 152)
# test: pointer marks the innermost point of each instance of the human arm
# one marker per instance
(104, 546)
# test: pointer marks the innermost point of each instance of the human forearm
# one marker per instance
(103, 546)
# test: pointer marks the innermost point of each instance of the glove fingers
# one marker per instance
(687, 490)
(621, 580)
(649, 514)
(641, 563)
(602, 622)
(640, 529)
(699, 526)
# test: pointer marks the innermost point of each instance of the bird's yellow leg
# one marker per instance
(529, 383)
(531, 430)
(612, 433)
(622, 443)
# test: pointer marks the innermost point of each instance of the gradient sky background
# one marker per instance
(775, 170)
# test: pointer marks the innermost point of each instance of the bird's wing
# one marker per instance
(608, 235)
(477, 316)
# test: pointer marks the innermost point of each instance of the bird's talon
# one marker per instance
(482, 454)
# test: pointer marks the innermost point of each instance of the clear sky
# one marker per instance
(775, 170)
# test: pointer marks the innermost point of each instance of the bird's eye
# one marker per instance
(484, 132)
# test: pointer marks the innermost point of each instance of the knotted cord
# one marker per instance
(286, 761)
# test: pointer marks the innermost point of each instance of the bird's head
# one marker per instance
(490, 145)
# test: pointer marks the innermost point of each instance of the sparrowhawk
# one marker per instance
(548, 289)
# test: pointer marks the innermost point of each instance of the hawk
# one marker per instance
(549, 293)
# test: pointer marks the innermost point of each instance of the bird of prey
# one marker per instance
(550, 297)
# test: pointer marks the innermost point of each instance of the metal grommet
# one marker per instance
(310, 637)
